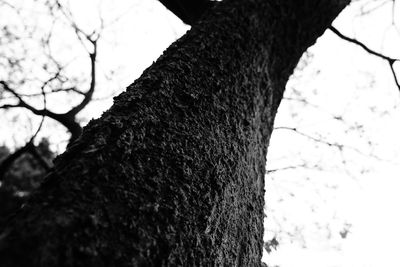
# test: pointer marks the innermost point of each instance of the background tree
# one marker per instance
(24, 176)
(34, 74)
(28, 76)
(45, 53)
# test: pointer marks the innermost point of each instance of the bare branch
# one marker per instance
(52, 91)
(7, 106)
(23, 104)
(390, 60)
(318, 140)
(67, 119)
(286, 168)
(89, 94)
(394, 74)
(354, 41)
(339, 147)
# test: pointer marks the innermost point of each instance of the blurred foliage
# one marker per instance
(24, 176)
(271, 244)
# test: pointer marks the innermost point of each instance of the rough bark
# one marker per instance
(173, 173)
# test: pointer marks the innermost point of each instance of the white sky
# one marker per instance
(307, 208)
(317, 205)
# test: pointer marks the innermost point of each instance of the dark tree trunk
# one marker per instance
(173, 173)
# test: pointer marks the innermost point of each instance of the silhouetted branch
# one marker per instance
(52, 91)
(286, 168)
(21, 103)
(354, 41)
(68, 120)
(89, 94)
(318, 140)
(394, 75)
(92, 38)
(7, 106)
(390, 60)
(339, 147)
(55, 83)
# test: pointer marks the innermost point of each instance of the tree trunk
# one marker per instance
(173, 173)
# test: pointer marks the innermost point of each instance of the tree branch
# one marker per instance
(268, 171)
(339, 147)
(318, 140)
(89, 94)
(67, 119)
(52, 91)
(22, 103)
(390, 60)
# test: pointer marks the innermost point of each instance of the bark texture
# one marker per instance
(173, 173)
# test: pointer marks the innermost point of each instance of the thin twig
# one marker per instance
(338, 146)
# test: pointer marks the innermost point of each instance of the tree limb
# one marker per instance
(23, 104)
(390, 60)
(89, 94)
(66, 119)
